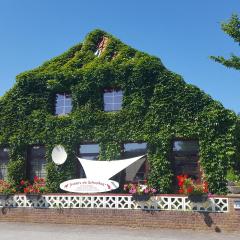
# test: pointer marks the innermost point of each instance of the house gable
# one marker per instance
(158, 106)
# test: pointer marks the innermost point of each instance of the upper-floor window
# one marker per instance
(88, 151)
(37, 162)
(112, 100)
(4, 159)
(63, 104)
(137, 171)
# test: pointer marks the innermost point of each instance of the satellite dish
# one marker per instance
(59, 155)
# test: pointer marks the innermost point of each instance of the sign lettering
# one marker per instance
(85, 185)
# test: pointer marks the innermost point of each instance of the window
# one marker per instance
(36, 162)
(186, 158)
(137, 171)
(4, 159)
(88, 151)
(113, 100)
(187, 147)
(63, 104)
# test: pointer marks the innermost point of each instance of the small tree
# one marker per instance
(232, 28)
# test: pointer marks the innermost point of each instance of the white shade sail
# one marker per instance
(105, 169)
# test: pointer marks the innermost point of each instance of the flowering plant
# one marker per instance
(190, 187)
(38, 186)
(6, 188)
(139, 189)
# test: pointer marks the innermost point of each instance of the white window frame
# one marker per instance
(114, 105)
(64, 107)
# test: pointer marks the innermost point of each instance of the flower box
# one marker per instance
(140, 192)
(141, 197)
(198, 198)
(3, 197)
(234, 189)
(196, 191)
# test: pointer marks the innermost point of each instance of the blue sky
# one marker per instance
(183, 34)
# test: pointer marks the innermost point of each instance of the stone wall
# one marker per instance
(205, 221)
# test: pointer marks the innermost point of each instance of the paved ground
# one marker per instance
(27, 231)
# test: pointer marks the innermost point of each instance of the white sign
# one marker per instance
(237, 204)
(86, 185)
(91, 168)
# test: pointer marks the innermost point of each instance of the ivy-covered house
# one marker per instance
(102, 99)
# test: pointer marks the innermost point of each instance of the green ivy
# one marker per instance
(158, 106)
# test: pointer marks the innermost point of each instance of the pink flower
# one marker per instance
(132, 190)
(153, 190)
(146, 191)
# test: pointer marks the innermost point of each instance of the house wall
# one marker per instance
(158, 107)
(216, 222)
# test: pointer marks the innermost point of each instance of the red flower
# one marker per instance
(180, 191)
(125, 187)
(22, 182)
(188, 186)
(181, 179)
(180, 183)
(35, 178)
(189, 189)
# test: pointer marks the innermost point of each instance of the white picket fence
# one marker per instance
(117, 201)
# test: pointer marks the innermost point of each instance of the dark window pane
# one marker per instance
(89, 148)
(90, 156)
(186, 158)
(90, 152)
(135, 149)
(4, 159)
(137, 171)
(185, 146)
(37, 162)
